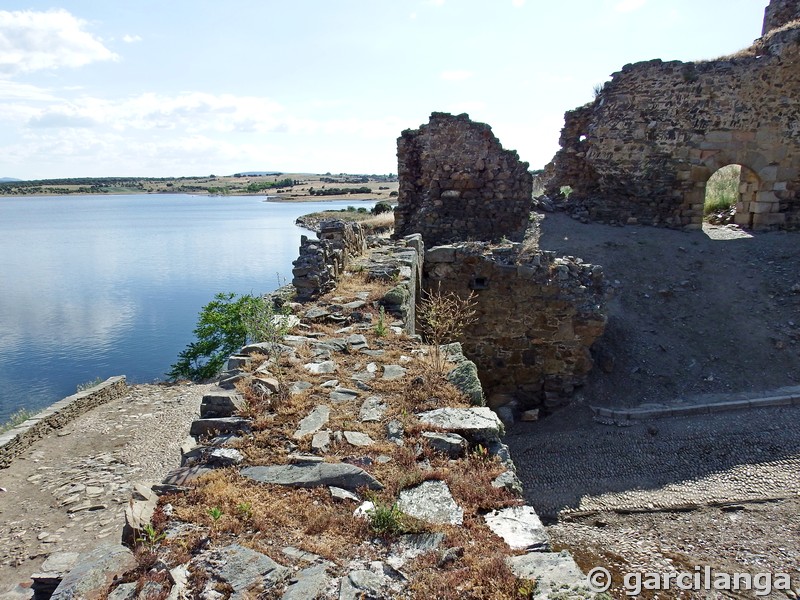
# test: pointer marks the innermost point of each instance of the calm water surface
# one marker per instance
(94, 286)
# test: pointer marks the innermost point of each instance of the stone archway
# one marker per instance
(743, 197)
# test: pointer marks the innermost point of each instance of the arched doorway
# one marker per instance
(730, 196)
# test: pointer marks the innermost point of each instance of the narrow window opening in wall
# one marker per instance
(479, 283)
(730, 196)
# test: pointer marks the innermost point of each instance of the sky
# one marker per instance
(150, 88)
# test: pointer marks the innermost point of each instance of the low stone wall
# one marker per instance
(321, 262)
(55, 416)
(399, 262)
(537, 317)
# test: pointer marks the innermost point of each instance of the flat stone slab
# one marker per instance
(431, 501)
(555, 574)
(310, 583)
(520, 528)
(372, 409)
(205, 427)
(357, 341)
(356, 438)
(321, 441)
(185, 476)
(95, 572)
(312, 422)
(243, 568)
(225, 457)
(325, 367)
(391, 372)
(342, 475)
(479, 424)
(361, 584)
(451, 444)
(343, 394)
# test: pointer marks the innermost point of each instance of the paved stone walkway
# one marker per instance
(569, 462)
(68, 491)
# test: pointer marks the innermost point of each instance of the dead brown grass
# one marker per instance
(267, 518)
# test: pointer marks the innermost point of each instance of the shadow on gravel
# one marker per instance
(567, 460)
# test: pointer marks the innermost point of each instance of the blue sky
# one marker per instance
(176, 88)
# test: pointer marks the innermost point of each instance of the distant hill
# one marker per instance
(258, 173)
(8, 179)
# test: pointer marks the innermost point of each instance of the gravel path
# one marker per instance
(668, 494)
(68, 491)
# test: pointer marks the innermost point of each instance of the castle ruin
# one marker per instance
(644, 149)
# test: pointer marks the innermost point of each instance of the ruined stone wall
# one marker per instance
(457, 183)
(537, 316)
(645, 148)
(57, 415)
(779, 13)
(321, 262)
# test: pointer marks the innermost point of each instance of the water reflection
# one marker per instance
(97, 286)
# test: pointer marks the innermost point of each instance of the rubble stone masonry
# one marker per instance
(645, 148)
(457, 183)
(537, 316)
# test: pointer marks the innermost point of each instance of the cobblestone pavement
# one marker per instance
(568, 462)
(68, 491)
(669, 495)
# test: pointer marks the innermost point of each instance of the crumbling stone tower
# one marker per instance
(645, 148)
(457, 183)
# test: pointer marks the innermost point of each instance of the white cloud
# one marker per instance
(193, 112)
(193, 132)
(456, 75)
(436, 2)
(12, 90)
(629, 5)
(34, 40)
(130, 39)
(517, 3)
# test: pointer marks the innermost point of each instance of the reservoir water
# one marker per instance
(94, 286)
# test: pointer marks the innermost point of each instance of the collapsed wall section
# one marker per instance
(322, 261)
(645, 148)
(537, 317)
(457, 183)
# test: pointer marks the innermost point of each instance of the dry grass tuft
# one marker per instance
(255, 513)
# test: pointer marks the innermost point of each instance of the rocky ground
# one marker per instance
(695, 317)
(68, 492)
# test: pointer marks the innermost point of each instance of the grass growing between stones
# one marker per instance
(226, 508)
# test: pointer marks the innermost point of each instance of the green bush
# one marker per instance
(381, 207)
(225, 325)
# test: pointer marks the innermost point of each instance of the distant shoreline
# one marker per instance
(283, 187)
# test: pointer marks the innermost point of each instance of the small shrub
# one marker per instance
(443, 318)
(380, 327)
(150, 537)
(386, 519)
(381, 207)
